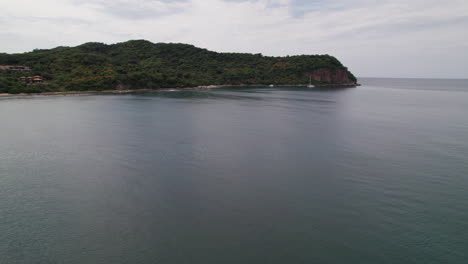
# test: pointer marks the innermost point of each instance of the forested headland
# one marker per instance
(140, 64)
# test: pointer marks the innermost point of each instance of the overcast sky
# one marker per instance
(380, 38)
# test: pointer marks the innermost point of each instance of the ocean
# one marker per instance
(373, 174)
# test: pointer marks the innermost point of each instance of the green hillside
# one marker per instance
(140, 64)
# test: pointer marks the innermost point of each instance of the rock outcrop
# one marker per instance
(331, 76)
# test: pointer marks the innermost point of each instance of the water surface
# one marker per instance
(375, 174)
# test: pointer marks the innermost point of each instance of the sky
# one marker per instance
(373, 38)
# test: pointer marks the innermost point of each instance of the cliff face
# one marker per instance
(331, 76)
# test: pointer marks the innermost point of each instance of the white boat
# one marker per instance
(310, 83)
(271, 85)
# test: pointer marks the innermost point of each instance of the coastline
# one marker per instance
(129, 91)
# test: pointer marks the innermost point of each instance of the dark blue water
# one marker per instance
(375, 174)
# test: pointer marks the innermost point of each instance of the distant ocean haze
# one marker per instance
(374, 174)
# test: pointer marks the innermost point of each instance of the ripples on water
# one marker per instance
(376, 174)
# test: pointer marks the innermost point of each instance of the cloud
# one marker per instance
(374, 38)
(135, 9)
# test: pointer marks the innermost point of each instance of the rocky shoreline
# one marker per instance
(128, 91)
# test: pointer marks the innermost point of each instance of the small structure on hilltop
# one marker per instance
(33, 79)
(37, 79)
(14, 68)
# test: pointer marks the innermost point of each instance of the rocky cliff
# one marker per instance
(332, 76)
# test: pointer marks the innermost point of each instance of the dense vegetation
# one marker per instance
(141, 64)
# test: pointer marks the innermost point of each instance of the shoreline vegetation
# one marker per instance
(138, 64)
(148, 90)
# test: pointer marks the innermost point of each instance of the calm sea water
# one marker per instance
(375, 174)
